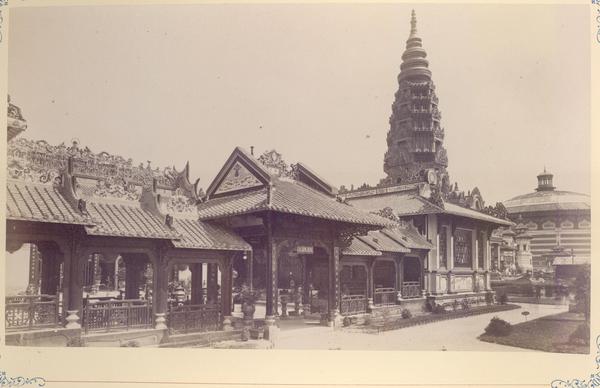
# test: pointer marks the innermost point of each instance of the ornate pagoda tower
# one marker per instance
(415, 138)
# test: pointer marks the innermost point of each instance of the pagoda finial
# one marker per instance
(413, 24)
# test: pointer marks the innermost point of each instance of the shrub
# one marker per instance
(406, 314)
(581, 335)
(498, 327)
(438, 309)
(503, 299)
(455, 305)
(489, 298)
(465, 304)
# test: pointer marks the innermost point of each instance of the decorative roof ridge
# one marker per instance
(45, 157)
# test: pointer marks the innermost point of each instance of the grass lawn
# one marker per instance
(548, 334)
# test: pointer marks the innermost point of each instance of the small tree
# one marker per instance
(582, 290)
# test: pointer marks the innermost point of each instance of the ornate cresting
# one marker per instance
(15, 121)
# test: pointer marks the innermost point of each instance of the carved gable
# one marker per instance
(238, 177)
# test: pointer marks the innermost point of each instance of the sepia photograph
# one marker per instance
(365, 177)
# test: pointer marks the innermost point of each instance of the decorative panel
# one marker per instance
(463, 246)
(238, 177)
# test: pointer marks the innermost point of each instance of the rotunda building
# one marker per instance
(556, 220)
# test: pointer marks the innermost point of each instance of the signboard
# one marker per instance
(304, 249)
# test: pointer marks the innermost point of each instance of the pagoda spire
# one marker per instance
(413, 24)
(415, 139)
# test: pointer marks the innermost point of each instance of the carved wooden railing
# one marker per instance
(32, 312)
(411, 290)
(194, 318)
(117, 315)
(384, 296)
(353, 304)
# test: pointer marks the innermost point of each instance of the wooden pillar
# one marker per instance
(160, 295)
(74, 261)
(370, 303)
(33, 286)
(250, 280)
(334, 285)
(271, 276)
(400, 275)
(197, 291)
(211, 283)
(305, 281)
(133, 268)
(226, 292)
(50, 271)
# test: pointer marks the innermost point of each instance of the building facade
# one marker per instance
(558, 223)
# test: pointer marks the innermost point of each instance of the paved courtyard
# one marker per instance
(456, 334)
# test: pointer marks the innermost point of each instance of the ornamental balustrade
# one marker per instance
(27, 312)
(353, 304)
(117, 315)
(384, 296)
(194, 318)
(411, 290)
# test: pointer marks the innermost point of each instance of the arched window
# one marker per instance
(548, 225)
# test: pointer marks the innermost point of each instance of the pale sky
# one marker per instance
(316, 82)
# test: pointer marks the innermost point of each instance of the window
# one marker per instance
(443, 247)
(463, 246)
(548, 225)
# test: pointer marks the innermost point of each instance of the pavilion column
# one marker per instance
(305, 285)
(33, 286)
(334, 286)
(211, 283)
(160, 280)
(96, 273)
(487, 261)
(132, 276)
(400, 276)
(370, 304)
(226, 293)
(50, 271)
(74, 267)
(451, 261)
(271, 278)
(197, 291)
(250, 276)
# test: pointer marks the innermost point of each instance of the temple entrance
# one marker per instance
(411, 277)
(303, 281)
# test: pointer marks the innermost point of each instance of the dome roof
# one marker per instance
(550, 200)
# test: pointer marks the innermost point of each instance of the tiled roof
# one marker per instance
(402, 204)
(412, 204)
(127, 219)
(205, 235)
(380, 241)
(292, 197)
(359, 248)
(450, 208)
(28, 201)
(408, 236)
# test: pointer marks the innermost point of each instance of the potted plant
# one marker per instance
(249, 298)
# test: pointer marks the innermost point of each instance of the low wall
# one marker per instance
(57, 337)
(132, 338)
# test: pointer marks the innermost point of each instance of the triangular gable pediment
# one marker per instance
(240, 172)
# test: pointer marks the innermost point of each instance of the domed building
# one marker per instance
(556, 220)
